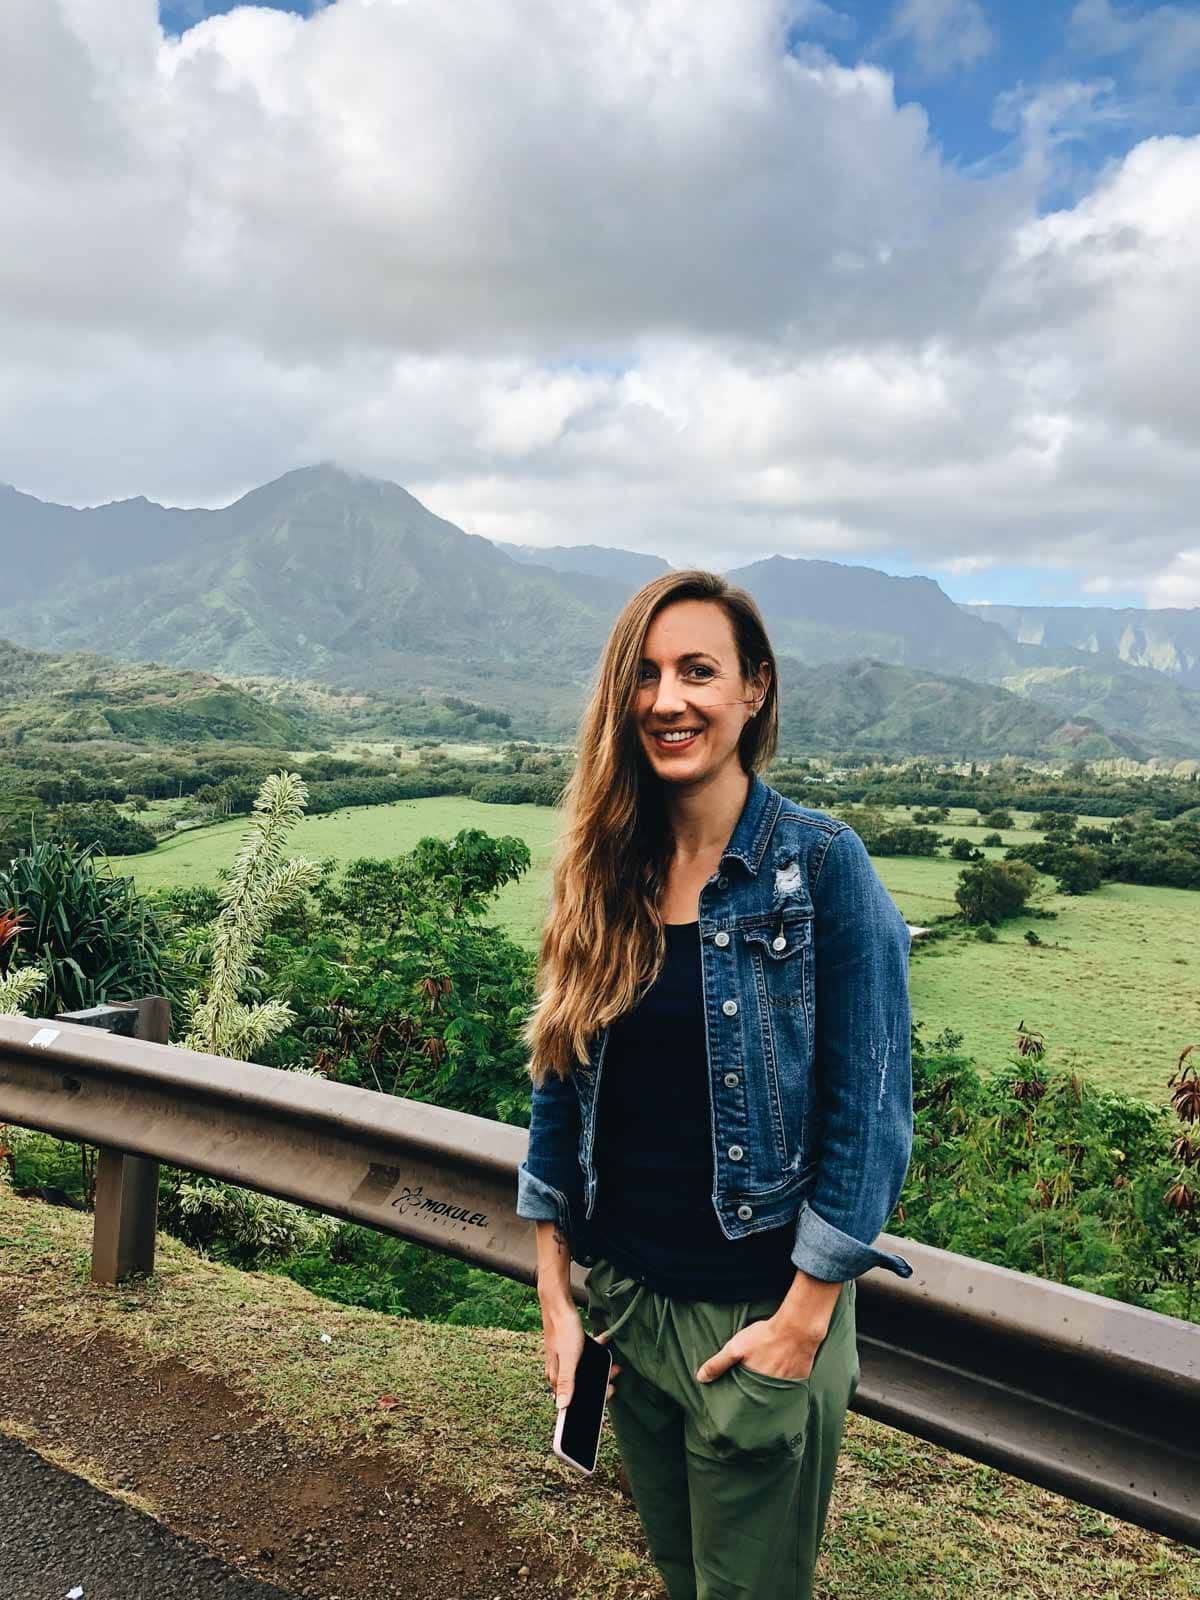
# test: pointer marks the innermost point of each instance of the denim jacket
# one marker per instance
(804, 960)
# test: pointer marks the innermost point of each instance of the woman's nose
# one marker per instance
(669, 697)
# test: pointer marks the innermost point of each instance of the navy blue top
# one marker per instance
(654, 1217)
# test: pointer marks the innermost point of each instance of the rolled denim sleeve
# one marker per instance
(862, 1053)
(546, 1179)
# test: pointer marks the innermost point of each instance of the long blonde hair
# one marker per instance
(602, 941)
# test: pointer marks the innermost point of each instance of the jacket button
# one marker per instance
(729, 1007)
(722, 882)
(736, 1152)
(721, 938)
(745, 1213)
(779, 942)
(731, 1080)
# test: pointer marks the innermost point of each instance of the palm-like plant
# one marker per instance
(93, 937)
(260, 885)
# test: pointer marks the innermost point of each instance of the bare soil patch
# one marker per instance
(330, 1522)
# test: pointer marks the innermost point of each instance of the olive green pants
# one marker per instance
(732, 1479)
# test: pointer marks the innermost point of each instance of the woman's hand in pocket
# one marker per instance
(767, 1347)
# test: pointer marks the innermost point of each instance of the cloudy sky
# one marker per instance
(905, 282)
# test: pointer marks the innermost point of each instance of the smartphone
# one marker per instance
(577, 1431)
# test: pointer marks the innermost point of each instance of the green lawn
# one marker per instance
(1111, 988)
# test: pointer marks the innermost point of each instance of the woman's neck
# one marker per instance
(701, 817)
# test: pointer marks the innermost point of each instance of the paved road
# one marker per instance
(58, 1533)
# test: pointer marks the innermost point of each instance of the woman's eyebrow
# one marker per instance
(690, 655)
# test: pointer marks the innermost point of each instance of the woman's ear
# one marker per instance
(761, 683)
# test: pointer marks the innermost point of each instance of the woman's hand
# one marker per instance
(785, 1345)
(562, 1345)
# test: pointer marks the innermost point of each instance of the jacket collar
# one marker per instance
(748, 842)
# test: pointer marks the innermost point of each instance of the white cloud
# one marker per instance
(1179, 585)
(944, 34)
(627, 272)
(1164, 42)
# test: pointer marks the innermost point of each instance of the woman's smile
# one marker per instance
(676, 738)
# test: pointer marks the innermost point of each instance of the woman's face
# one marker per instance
(690, 683)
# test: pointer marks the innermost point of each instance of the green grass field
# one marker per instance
(1111, 987)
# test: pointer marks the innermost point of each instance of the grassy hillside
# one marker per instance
(899, 710)
(1113, 986)
(468, 1414)
(77, 695)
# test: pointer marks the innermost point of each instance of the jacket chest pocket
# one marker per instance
(780, 952)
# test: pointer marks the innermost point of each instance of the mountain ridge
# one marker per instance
(330, 574)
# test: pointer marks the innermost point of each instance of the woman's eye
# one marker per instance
(647, 672)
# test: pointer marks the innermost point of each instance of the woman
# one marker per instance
(730, 964)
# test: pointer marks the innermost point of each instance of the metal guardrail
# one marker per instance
(1087, 1396)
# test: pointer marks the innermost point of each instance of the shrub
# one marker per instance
(997, 819)
(1077, 870)
(1056, 822)
(963, 850)
(993, 840)
(986, 933)
(992, 890)
(102, 825)
(92, 935)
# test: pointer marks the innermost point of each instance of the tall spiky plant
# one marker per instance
(260, 884)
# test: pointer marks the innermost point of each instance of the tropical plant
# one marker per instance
(260, 885)
(94, 938)
(1182, 1194)
(18, 985)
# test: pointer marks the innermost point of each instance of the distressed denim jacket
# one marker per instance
(804, 960)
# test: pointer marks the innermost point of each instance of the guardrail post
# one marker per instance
(126, 1210)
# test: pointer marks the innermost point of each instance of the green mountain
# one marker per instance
(823, 611)
(1165, 714)
(594, 560)
(330, 575)
(878, 706)
(347, 580)
(1166, 641)
(82, 696)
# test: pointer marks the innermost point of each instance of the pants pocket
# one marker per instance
(749, 1413)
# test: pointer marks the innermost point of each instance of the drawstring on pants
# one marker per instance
(617, 1287)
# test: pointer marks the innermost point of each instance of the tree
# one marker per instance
(963, 850)
(997, 819)
(989, 891)
(102, 825)
(1077, 870)
(1061, 823)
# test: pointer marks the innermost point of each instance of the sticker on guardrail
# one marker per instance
(45, 1036)
(413, 1198)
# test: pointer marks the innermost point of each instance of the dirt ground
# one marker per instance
(345, 1525)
